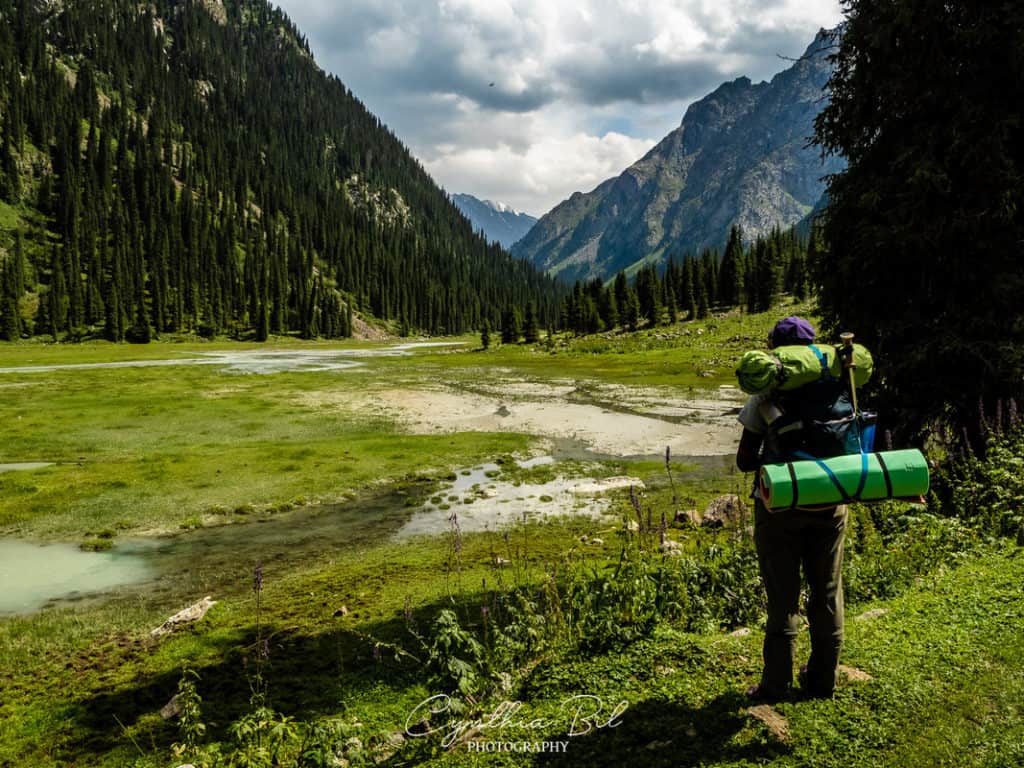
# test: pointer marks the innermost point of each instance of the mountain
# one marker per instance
(184, 166)
(739, 156)
(498, 222)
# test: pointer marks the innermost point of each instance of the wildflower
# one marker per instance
(257, 585)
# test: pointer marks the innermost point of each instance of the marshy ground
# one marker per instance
(339, 468)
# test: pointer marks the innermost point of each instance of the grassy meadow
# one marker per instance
(320, 657)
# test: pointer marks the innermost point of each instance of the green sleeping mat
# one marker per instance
(794, 366)
(824, 483)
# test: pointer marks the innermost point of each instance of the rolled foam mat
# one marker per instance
(824, 483)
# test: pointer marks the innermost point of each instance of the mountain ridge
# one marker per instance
(187, 167)
(498, 222)
(739, 155)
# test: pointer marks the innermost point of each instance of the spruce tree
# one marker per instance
(10, 320)
(485, 334)
(531, 326)
(731, 274)
(511, 326)
(924, 227)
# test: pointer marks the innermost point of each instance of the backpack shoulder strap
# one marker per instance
(826, 374)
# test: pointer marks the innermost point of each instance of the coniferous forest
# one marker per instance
(747, 275)
(185, 167)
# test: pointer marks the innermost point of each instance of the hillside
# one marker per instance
(499, 223)
(740, 156)
(187, 167)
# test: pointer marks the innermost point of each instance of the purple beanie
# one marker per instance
(791, 330)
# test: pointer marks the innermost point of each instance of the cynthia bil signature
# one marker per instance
(582, 714)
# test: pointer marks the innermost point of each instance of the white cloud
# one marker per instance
(527, 101)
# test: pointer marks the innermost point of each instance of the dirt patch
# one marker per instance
(551, 410)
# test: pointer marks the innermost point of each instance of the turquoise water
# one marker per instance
(31, 575)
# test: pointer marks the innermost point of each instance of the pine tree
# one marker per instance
(511, 326)
(531, 326)
(688, 288)
(633, 313)
(924, 227)
(485, 334)
(731, 275)
(10, 320)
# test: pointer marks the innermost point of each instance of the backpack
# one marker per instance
(818, 422)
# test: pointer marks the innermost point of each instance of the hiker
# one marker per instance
(790, 539)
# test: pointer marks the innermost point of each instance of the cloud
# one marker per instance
(527, 101)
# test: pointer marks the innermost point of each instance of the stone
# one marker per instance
(854, 675)
(724, 512)
(778, 726)
(343, 611)
(741, 632)
(874, 613)
(669, 547)
(188, 615)
(171, 709)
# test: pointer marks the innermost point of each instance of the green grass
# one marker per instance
(142, 450)
(692, 356)
(83, 685)
(153, 448)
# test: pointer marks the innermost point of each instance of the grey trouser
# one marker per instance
(786, 541)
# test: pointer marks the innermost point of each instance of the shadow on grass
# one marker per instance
(306, 676)
(659, 732)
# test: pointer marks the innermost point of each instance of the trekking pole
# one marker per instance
(849, 364)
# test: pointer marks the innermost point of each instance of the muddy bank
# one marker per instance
(611, 420)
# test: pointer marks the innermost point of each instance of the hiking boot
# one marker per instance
(809, 691)
(760, 694)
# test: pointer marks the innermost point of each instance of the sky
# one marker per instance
(526, 101)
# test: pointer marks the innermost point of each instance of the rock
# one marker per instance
(343, 611)
(853, 674)
(633, 525)
(656, 745)
(725, 511)
(171, 709)
(874, 613)
(596, 542)
(501, 562)
(669, 547)
(778, 726)
(741, 632)
(503, 411)
(487, 493)
(688, 517)
(187, 616)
